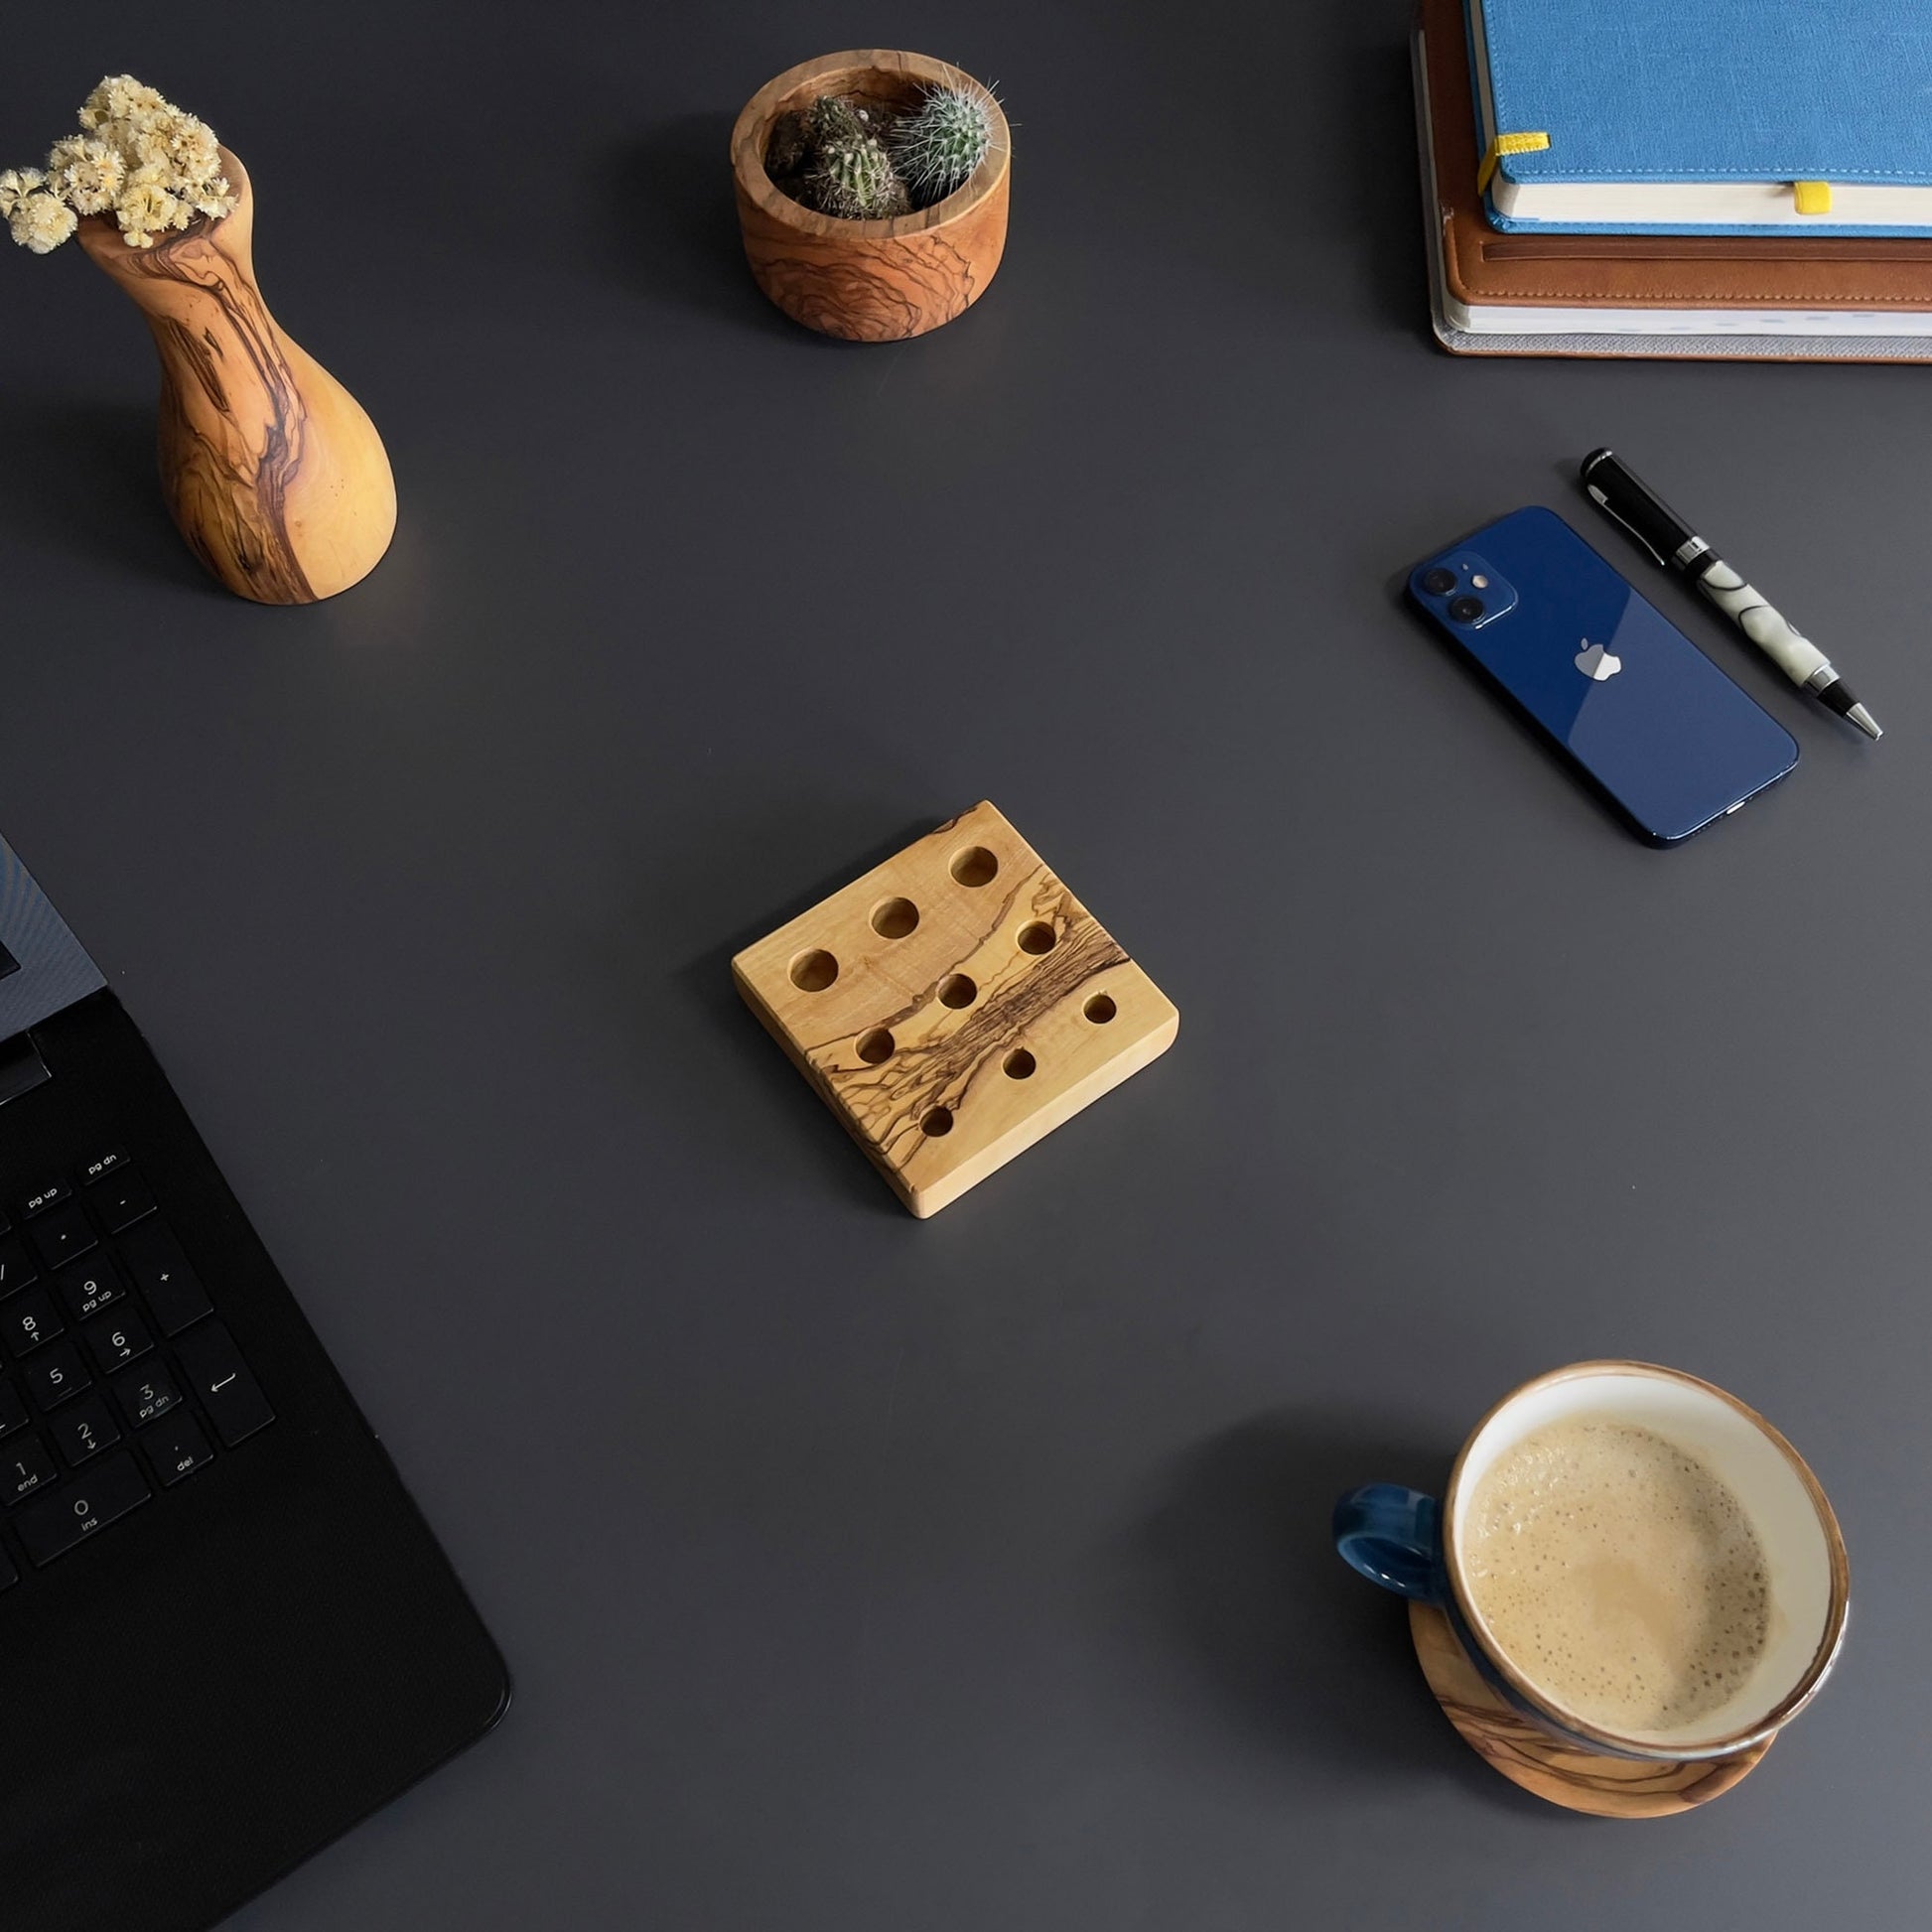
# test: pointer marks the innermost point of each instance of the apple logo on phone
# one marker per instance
(1595, 662)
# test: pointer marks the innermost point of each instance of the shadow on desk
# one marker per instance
(672, 223)
(1242, 1592)
(80, 480)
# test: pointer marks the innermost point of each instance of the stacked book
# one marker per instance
(1747, 178)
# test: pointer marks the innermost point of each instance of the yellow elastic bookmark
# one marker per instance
(1812, 197)
(1506, 144)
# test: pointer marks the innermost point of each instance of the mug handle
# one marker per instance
(1393, 1536)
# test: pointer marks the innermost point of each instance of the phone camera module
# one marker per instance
(1466, 610)
(1438, 582)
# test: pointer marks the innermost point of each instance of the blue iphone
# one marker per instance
(1618, 687)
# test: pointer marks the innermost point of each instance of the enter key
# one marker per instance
(227, 1388)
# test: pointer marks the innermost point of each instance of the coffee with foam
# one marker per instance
(1619, 1572)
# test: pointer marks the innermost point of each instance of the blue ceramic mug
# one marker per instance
(1411, 1543)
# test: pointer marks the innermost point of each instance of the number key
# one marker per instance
(13, 1409)
(84, 1428)
(28, 1319)
(25, 1466)
(54, 1525)
(88, 1287)
(146, 1395)
(116, 1339)
(54, 1373)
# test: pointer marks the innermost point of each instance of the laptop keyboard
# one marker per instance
(116, 1378)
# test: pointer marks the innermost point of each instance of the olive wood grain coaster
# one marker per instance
(1605, 1787)
(954, 1006)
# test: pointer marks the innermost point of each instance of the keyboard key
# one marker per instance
(120, 1200)
(25, 1466)
(84, 1428)
(17, 1266)
(54, 1191)
(161, 1271)
(90, 1285)
(53, 1525)
(61, 1233)
(230, 1394)
(13, 1409)
(27, 1319)
(8, 1576)
(146, 1395)
(54, 1373)
(116, 1339)
(177, 1448)
(103, 1164)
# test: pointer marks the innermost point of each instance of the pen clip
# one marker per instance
(1603, 502)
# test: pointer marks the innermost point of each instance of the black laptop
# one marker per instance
(226, 1631)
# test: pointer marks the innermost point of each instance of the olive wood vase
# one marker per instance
(272, 470)
(867, 281)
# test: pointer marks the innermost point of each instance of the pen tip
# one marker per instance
(1864, 721)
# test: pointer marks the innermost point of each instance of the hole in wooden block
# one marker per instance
(1038, 937)
(894, 918)
(956, 990)
(1100, 1009)
(876, 1047)
(1021, 1064)
(815, 971)
(973, 865)
(938, 1122)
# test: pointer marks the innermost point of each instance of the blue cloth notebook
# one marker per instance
(1705, 116)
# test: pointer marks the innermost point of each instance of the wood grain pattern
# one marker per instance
(867, 281)
(954, 1006)
(272, 470)
(1526, 1755)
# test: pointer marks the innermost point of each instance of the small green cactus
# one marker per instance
(938, 146)
(835, 122)
(857, 180)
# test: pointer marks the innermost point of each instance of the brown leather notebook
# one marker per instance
(1484, 268)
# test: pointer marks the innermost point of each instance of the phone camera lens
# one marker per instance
(1438, 582)
(1466, 610)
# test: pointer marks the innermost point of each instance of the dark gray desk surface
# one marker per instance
(864, 1574)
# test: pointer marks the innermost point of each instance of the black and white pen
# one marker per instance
(1676, 546)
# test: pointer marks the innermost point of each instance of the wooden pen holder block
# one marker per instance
(954, 1006)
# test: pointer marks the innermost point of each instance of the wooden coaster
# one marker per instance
(954, 1006)
(1605, 1787)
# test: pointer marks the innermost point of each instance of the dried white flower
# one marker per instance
(41, 221)
(15, 186)
(147, 206)
(87, 173)
(144, 161)
(191, 145)
(214, 200)
(121, 97)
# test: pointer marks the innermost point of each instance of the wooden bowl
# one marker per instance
(867, 281)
